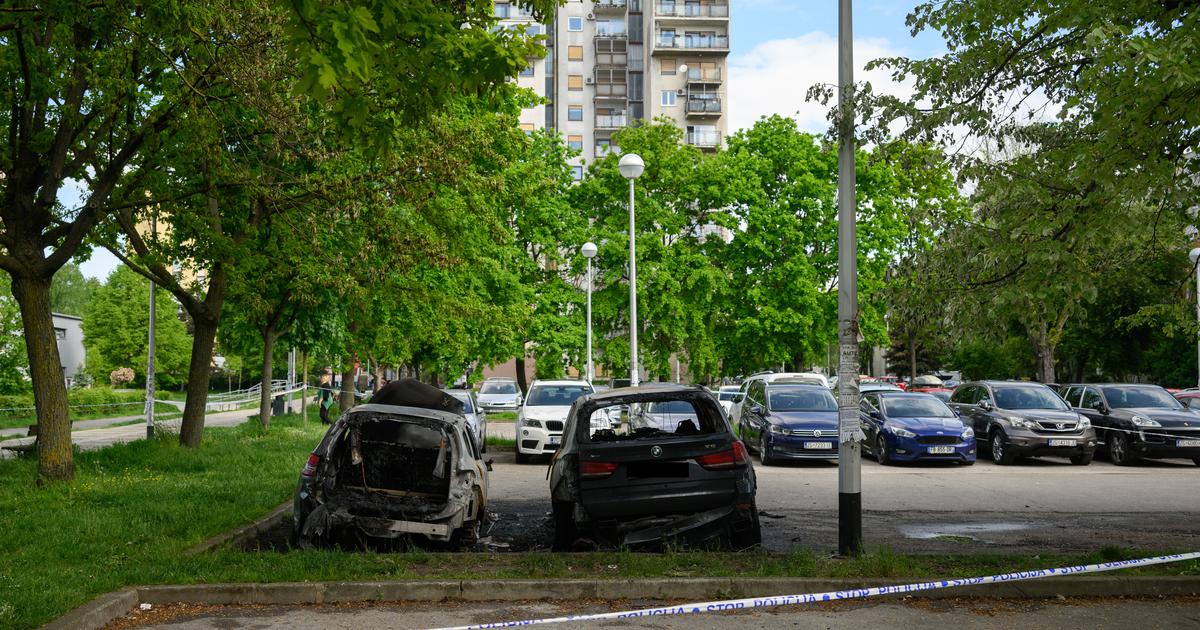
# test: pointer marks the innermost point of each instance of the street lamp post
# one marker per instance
(150, 348)
(631, 167)
(589, 252)
(1195, 256)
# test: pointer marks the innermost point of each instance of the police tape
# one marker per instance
(858, 593)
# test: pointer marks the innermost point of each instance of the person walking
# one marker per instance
(325, 395)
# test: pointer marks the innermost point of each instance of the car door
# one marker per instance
(962, 401)
(735, 408)
(753, 410)
(871, 418)
(1090, 400)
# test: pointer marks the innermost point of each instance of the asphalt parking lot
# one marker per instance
(1037, 505)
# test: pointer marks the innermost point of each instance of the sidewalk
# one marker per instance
(96, 438)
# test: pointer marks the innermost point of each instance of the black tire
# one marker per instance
(564, 525)
(749, 537)
(1118, 449)
(1001, 453)
(881, 452)
(1082, 459)
(522, 458)
(1196, 461)
(968, 462)
(763, 455)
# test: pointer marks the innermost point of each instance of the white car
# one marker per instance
(725, 396)
(543, 415)
(499, 394)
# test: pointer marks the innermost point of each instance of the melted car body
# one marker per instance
(405, 466)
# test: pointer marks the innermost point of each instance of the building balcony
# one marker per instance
(691, 11)
(610, 6)
(618, 91)
(611, 33)
(703, 106)
(612, 60)
(704, 139)
(711, 43)
(704, 75)
(611, 122)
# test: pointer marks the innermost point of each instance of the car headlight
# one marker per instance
(904, 433)
(1021, 423)
(1143, 421)
(775, 428)
(1084, 423)
(968, 433)
(530, 422)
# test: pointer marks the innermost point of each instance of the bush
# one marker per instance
(121, 376)
(98, 400)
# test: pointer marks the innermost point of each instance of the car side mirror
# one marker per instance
(758, 410)
(488, 464)
(986, 405)
(875, 414)
(1100, 406)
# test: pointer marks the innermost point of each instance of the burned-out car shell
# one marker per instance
(392, 471)
(658, 488)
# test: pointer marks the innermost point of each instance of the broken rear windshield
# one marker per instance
(671, 418)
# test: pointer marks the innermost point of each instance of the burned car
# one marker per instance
(666, 469)
(405, 467)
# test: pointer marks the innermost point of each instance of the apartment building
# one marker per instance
(610, 63)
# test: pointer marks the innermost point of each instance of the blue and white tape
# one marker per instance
(859, 593)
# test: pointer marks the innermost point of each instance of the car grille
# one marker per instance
(938, 439)
(554, 425)
(810, 432)
(1155, 435)
(1057, 427)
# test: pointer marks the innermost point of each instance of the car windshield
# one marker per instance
(648, 420)
(915, 407)
(801, 399)
(1028, 397)
(555, 395)
(498, 387)
(1134, 397)
(465, 399)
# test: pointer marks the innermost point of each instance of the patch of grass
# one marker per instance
(135, 509)
(23, 421)
(502, 416)
(499, 441)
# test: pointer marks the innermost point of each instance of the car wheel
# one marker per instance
(763, 455)
(749, 537)
(1082, 459)
(1118, 449)
(881, 451)
(564, 525)
(1001, 454)
(1196, 461)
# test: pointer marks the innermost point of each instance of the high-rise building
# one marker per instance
(612, 62)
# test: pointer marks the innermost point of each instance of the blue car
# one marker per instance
(909, 427)
(790, 421)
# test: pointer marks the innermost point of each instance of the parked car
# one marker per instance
(651, 481)
(406, 465)
(1136, 421)
(499, 394)
(725, 397)
(877, 386)
(543, 416)
(474, 414)
(1018, 419)
(790, 421)
(735, 409)
(909, 427)
(1189, 398)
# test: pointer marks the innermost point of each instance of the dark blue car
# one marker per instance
(790, 421)
(904, 427)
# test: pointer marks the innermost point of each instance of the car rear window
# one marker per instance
(498, 387)
(652, 420)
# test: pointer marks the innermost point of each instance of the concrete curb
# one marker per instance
(243, 535)
(107, 608)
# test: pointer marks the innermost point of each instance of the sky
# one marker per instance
(779, 49)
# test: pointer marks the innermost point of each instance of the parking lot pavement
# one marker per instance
(1145, 614)
(1038, 505)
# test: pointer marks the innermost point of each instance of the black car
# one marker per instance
(790, 421)
(1136, 421)
(670, 469)
(1018, 419)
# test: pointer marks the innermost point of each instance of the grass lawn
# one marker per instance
(502, 416)
(134, 509)
(499, 441)
(22, 422)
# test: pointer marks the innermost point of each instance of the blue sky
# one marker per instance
(758, 21)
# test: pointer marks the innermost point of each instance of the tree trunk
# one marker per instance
(378, 374)
(204, 336)
(522, 382)
(1044, 352)
(268, 359)
(55, 459)
(346, 398)
(304, 390)
(912, 358)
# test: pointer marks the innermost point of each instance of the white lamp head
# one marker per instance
(631, 166)
(588, 250)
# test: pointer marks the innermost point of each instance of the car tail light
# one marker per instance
(735, 457)
(310, 469)
(596, 470)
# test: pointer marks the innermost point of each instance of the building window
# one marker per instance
(574, 53)
(575, 112)
(575, 82)
(574, 24)
(575, 142)
(60, 333)
(603, 147)
(527, 128)
(577, 173)
(668, 67)
(668, 98)
(527, 71)
(503, 10)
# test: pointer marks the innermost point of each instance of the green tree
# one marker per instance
(71, 291)
(13, 358)
(116, 329)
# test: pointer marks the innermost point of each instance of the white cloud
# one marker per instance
(774, 77)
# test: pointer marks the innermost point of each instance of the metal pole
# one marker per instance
(591, 375)
(1198, 320)
(633, 320)
(150, 348)
(849, 446)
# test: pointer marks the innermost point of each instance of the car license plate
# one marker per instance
(819, 445)
(941, 450)
(1062, 442)
(1187, 443)
(553, 440)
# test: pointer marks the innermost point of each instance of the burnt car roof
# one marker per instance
(410, 392)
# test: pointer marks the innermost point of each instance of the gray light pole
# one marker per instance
(1195, 256)
(150, 348)
(589, 252)
(849, 446)
(631, 167)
